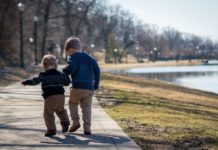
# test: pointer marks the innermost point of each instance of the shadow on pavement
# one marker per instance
(80, 139)
(15, 128)
(74, 141)
(21, 93)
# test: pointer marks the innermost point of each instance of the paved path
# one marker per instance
(22, 126)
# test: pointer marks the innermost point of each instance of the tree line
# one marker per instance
(101, 26)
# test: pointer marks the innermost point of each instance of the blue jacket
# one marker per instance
(84, 71)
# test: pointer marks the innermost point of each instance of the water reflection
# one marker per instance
(208, 82)
(198, 77)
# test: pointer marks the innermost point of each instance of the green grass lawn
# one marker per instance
(159, 115)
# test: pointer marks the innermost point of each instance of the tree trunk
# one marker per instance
(45, 27)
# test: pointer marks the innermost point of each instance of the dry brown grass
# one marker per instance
(159, 115)
(161, 90)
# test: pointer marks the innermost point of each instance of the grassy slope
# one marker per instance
(159, 115)
(10, 75)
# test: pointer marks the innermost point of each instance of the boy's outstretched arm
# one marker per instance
(34, 81)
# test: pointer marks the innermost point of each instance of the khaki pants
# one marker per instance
(84, 98)
(55, 104)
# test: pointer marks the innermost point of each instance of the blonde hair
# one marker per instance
(49, 61)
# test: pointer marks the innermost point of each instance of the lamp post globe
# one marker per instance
(21, 6)
(35, 19)
(92, 45)
(31, 40)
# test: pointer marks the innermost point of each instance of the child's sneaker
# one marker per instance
(65, 128)
(87, 132)
(73, 128)
(50, 133)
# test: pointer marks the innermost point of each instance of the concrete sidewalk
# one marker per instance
(22, 125)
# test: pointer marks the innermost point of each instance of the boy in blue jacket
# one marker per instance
(85, 75)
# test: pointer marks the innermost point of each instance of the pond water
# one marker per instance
(198, 77)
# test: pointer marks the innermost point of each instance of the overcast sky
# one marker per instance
(193, 16)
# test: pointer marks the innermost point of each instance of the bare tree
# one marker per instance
(107, 20)
(8, 31)
(147, 36)
(126, 32)
(173, 37)
(47, 6)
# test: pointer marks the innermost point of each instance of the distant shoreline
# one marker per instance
(112, 67)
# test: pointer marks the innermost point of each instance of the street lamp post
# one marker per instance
(35, 19)
(155, 53)
(115, 56)
(92, 49)
(92, 46)
(21, 8)
(137, 54)
(151, 56)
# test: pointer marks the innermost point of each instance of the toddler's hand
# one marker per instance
(23, 83)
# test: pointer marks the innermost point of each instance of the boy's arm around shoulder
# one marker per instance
(34, 81)
(70, 68)
(66, 79)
